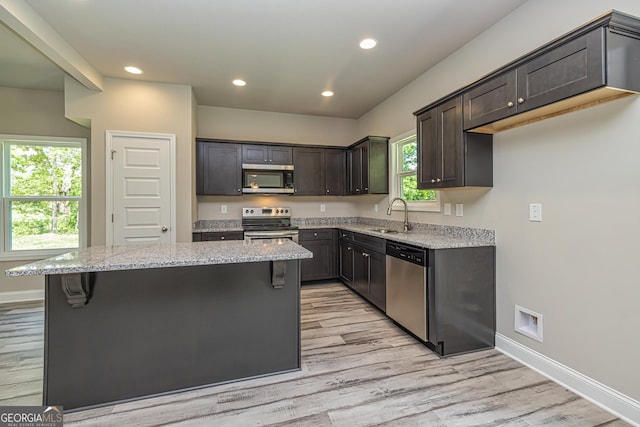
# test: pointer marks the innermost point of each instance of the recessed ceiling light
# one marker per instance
(133, 70)
(327, 93)
(368, 43)
(239, 82)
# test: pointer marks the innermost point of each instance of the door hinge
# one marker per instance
(112, 153)
(111, 217)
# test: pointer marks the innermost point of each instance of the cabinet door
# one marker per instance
(255, 154)
(321, 266)
(280, 155)
(218, 169)
(361, 271)
(568, 70)
(427, 138)
(491, 101)
(450, 144)
(355, 171)
(345, 262)
(378, 280)
(335, 173)
(308, 174)
(364, 168)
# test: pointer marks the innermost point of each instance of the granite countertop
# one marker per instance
(111, 258)
(428, 236)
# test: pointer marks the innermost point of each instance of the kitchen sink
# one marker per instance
(382, 230)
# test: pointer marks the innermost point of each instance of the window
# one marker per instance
(43, 203)
(404, 178)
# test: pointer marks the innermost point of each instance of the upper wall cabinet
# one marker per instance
(368, 166)
(267, 154)
(447, 156)
(218, 169)
(595, 63)
(319, 171)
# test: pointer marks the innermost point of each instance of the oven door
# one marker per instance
(267, 235)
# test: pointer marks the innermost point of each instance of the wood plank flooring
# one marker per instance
(359, 369)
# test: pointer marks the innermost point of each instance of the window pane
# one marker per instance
(409, 157)
(45, 171)
(409, 190)
(43, 225)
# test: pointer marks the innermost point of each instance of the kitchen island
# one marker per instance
(127, 322)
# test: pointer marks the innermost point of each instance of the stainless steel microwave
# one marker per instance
(267, 179)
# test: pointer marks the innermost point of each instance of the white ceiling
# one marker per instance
(288, 51)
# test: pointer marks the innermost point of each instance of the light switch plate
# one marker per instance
(459, 209)
(447, 208)
(535, 212)
(323, 207)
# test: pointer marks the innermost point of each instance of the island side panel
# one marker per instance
(151, 331)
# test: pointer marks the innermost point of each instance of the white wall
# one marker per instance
(32, 112)
(132, 105)
(578, 267)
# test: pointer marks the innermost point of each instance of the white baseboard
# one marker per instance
(599, 394)
(21, 296)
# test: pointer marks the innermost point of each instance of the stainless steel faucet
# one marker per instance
(406, 212)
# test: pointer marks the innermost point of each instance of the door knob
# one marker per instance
(164, 229)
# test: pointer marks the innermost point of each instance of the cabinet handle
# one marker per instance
(364, 254)
(433, 181)
(239, 190)
(520, 100)
(366, 188)
(315, 234)
(327, 190)
(349, 248)
(357, 189)
(221, 237)
(509, 104)
(271, 160)
(438, 180)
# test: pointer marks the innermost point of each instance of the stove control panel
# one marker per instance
(266, 212)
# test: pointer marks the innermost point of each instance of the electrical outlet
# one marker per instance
(447, 208)
(459, 209)
(223, 208)
(535, 212)
(323, 207)
(375, 207)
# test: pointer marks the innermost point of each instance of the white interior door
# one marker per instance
(141, 188)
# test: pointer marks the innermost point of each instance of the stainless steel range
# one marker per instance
(268, 223)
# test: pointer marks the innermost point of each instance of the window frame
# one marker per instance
(6, 141)
(396, 173)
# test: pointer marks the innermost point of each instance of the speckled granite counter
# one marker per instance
(112, 258)
(428, 236)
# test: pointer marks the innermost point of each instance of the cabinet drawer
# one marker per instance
(369, 242)
(345, 235)
(316, 234)
(222, 235)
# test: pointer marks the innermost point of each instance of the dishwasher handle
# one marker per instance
(407, 253)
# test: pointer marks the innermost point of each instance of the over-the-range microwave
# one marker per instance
(267, 179)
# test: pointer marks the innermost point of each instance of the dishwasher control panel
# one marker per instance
(407, 253)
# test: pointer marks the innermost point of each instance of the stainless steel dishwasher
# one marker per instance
(407, 287)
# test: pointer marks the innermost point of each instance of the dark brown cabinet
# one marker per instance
(345, 258)
(218, 168)
(447, 156)
(213, 236)
(267, 154)
(363, 266)
(319, 171)
(322, 242)
(595, 63)
(368, 166)
(565, 71)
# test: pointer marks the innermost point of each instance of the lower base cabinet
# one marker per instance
(363, 266)
(214, 236)
(322, 243)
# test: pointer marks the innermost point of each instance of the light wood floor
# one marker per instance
(359, 369)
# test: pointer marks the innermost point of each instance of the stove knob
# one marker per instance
(277, 211)
(251, 210)
(286, 211)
